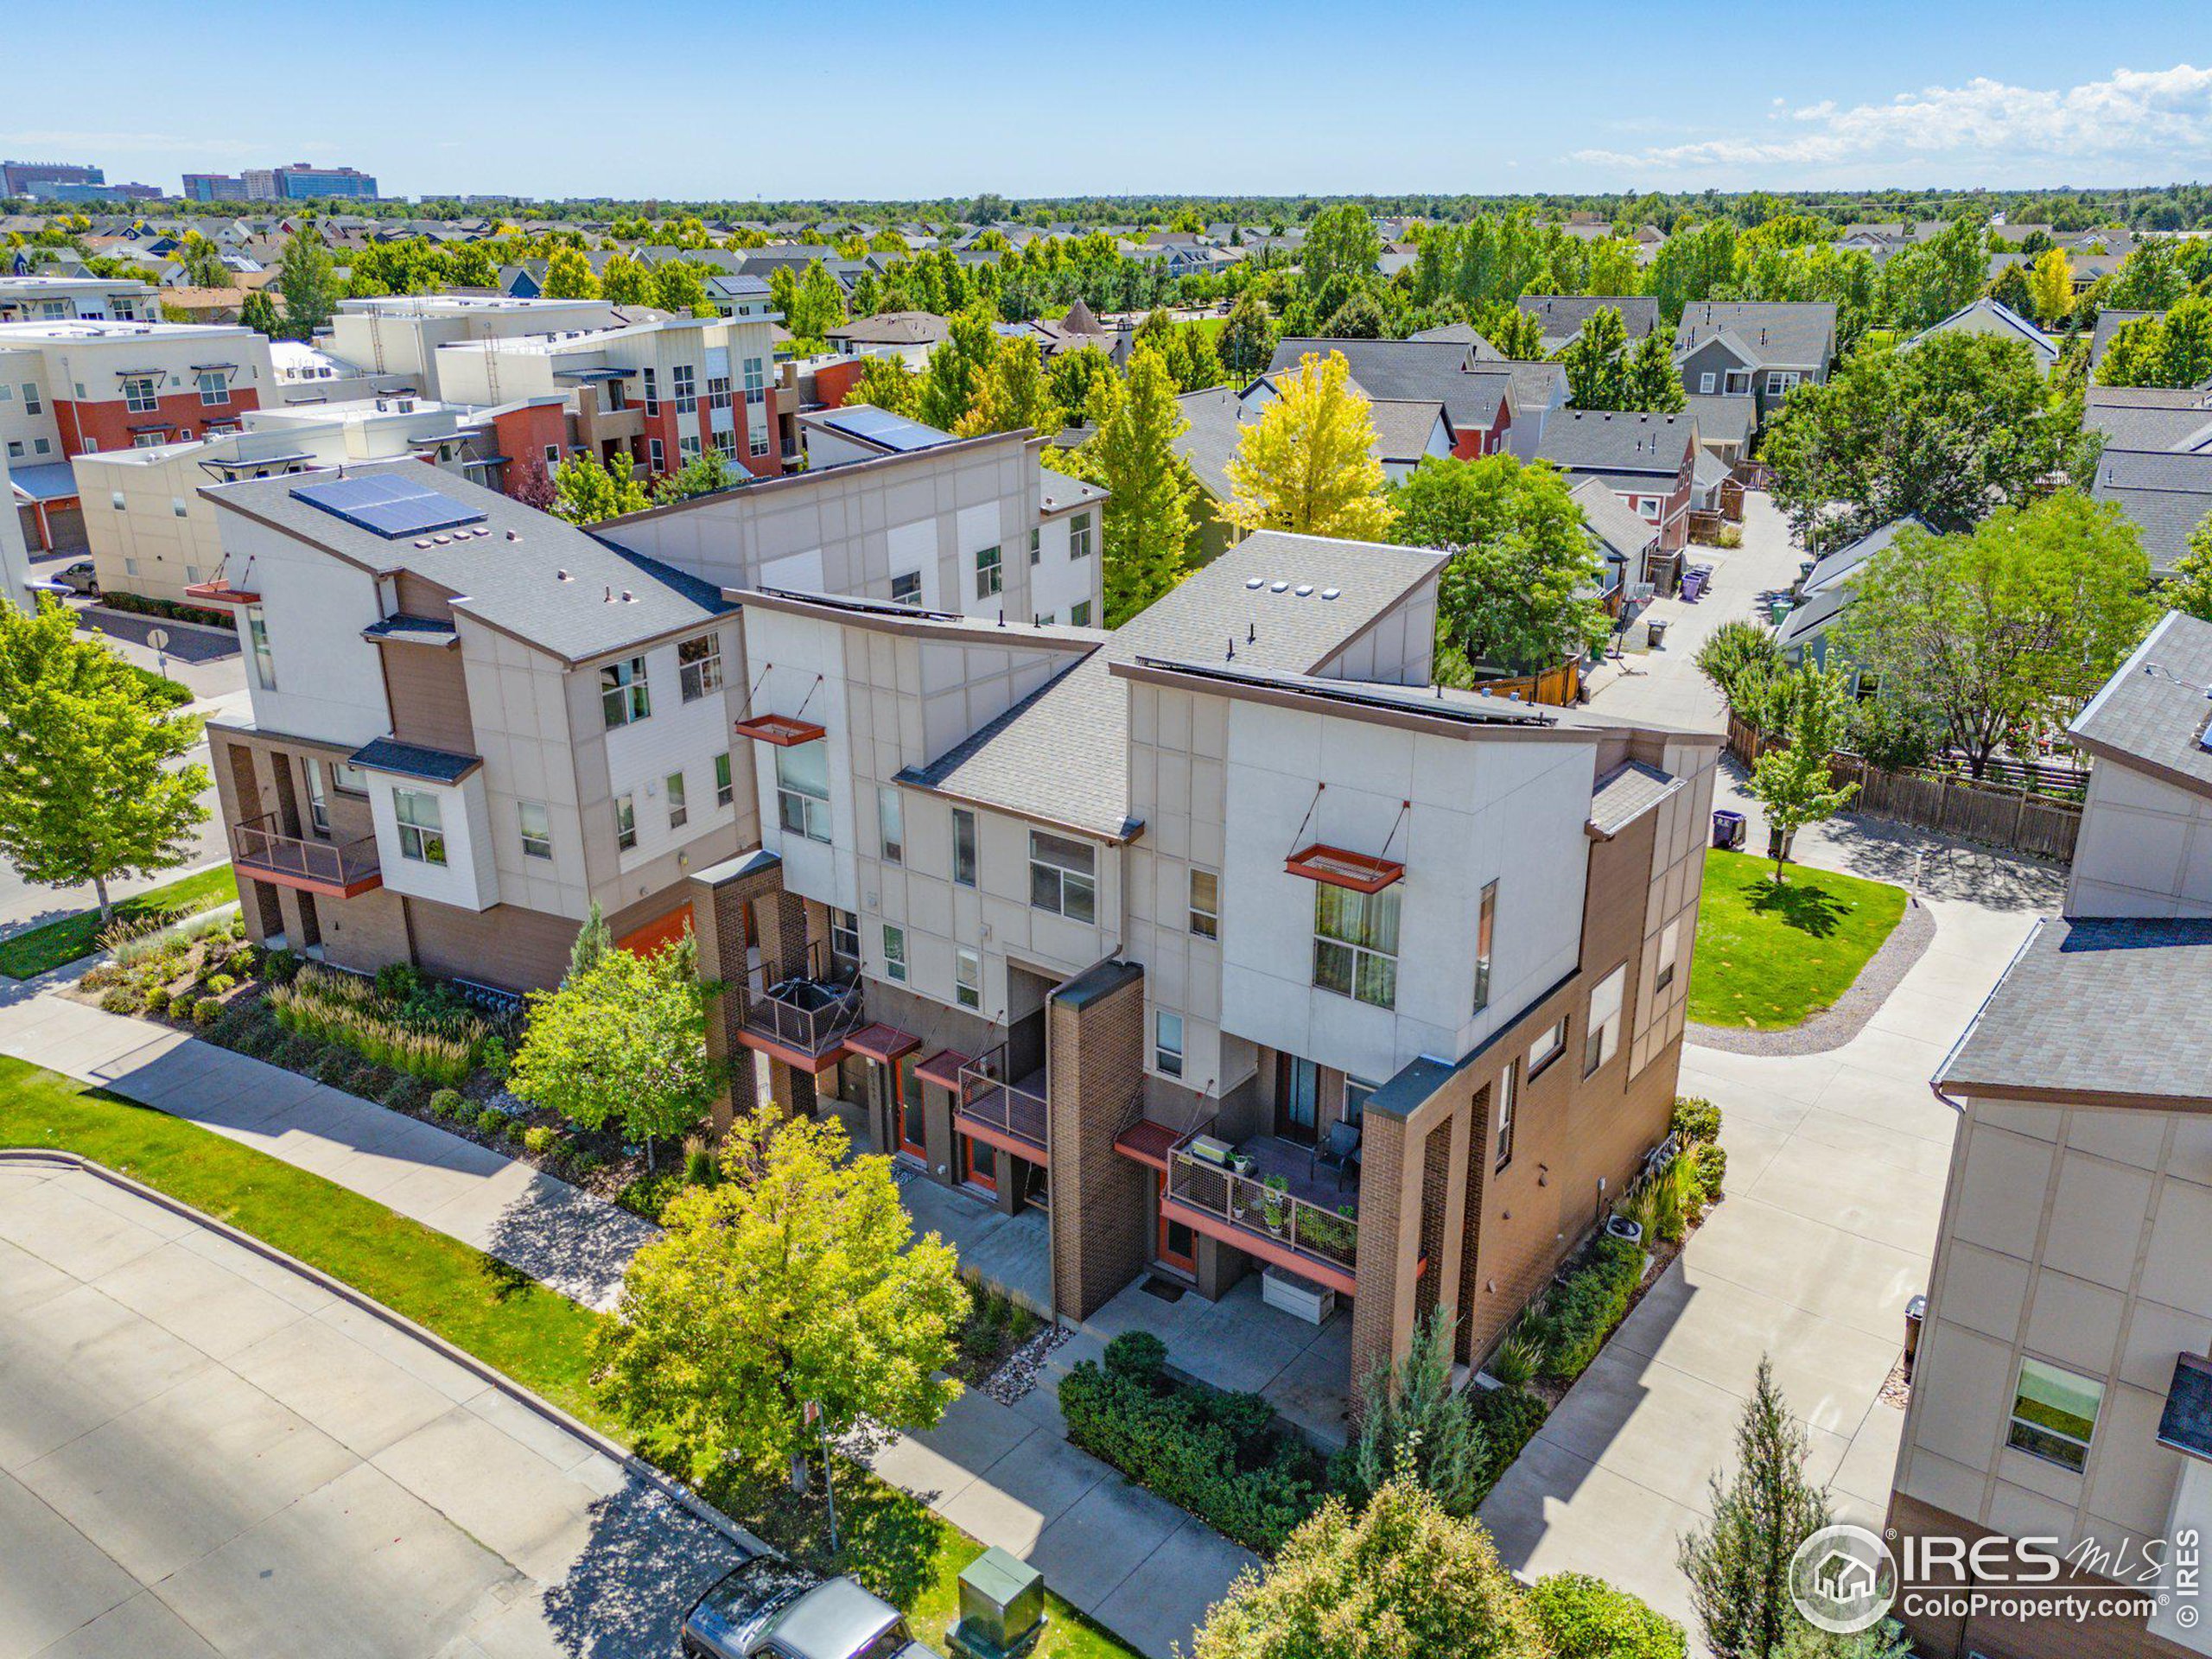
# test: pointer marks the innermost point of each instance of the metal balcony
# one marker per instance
(260, 850)
(1278, 1211)
(1001, 1112)
(803, 1018)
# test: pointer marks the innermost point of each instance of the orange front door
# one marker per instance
(1177, 1245)
(906, 1110)
(979, 1164)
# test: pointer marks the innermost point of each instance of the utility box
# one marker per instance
(1001, 1607)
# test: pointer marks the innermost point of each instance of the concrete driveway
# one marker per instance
(1835, 1184)
(204, 1453)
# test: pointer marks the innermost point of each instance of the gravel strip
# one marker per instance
(1833, 1027)
(1018, 1375)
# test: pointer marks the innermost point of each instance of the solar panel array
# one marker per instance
(386, 505)
(880, 426)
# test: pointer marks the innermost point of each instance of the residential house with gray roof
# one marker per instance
(2060, 1390)
(1649, 460)
(1994, 317)
(1494, 405)
(1561, 316)
(1759, 349)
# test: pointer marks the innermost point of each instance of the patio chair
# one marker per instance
(1340, 1151)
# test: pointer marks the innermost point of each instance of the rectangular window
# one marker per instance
(1705, 383)
(1601, 1032)
(1079, 537)
(623, 694)
(659, 453)
(421, 833)
(1205, 905)
(33, 404)
(756, 439)
(1649, 507)
(2054, 1415)
(537, 826)
(1355, 944)
(1506, 1081)
(967, 977)
(318, 804)
(725, 792)
(756, 381)
(718, 391)
(1739, 383)
(264, 661)
(907, 588)
(1549, 1046)
(894, 952)
(963, 846)
(891, 824)
(138, 394)
(687, 448)
(214, 389)
(1079, 614)
(625, 822)
(1036, 546)
(803, 789)
(679, 807)
(684, 386)
(1357, 1089)
(1670, 939)
(347, 779)
(700, 666)
(1485, 933)
(845, 934)
(988, 579)
(1167, 1043)
(177, 508)
(1063, 876)
(652, 394)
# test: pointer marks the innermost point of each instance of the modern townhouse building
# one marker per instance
(661, 392)
(85, 385)
(401, 334)
(51, 299)
(1130, 930)
(471, 721)
(2062, 1387)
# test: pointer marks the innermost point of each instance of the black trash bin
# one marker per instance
(1727, 829)
(1916, 1314)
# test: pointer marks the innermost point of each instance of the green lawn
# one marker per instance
(1770, 957)
(28, 955)
(891, 1542)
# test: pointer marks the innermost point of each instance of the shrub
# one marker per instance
(541, 1138)
(280, 967)
(295, 1052)
(1585, 1618)
(516, 1129)
(157, 1000)
(1508, 1420)
(406, 1094)
(182, 1004)
(1696, 1119)
(333, 1066)
(121, 1000)
(434, 1042)
(699, 1166)
(1215, 1455)
(649, 1195)
(1712, 1171)
(1516, 1361)
(397, 980)
(447, 1103)
(220, 985)
(1585, 1310)
(205, 1013)
(491, 1055)
(490, 1121)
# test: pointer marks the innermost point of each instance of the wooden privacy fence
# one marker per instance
(1558, 686)
(2002, 815)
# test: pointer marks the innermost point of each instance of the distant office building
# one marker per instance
(213, 187)
(296, 181)
(16, 178)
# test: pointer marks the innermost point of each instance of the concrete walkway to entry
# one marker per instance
(1836, 1169)
(1134, 1562)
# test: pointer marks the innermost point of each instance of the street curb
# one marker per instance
(674, 1491)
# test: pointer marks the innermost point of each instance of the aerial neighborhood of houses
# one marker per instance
(1165, 886)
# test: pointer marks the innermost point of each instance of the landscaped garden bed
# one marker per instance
(407, 1041)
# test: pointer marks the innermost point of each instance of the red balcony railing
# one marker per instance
(1009, 1114)
(338, 869)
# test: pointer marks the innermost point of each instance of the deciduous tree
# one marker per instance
(947, 389)
(1593, 363)
(91, 783)
(1516, 334)
(568, 275)
(1248, 336)
(885, 383)
(1146, 521)
(584, 492)
(1013, 392)
(2050, 285)
(794, 1279)
(2191, 590)
(309, 281)
(1308, 464)
(1794, 785)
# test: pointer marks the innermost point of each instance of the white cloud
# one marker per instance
(2159, 118)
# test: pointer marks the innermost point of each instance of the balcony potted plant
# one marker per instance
(1274, 1209)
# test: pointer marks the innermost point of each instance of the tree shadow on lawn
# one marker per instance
(1795, 905)
(889, 1539)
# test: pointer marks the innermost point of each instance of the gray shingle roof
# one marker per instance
(1561, 316)
(2097, 1006)
(2149, 417)
(2166, 495)
(1414, 371)
(1813, 617)
(1724, 420)
(2150, 712)
(1627, 442)
(510, 579)
(1842, 565)
(1461, 334)
(1402, 427)
(1617, 528)
(1217, 427)
(1019, 761)
(2110, 322)
(1626, 793)
(1787, 333)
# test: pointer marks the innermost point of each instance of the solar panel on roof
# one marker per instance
(386, 505)
(880, 426)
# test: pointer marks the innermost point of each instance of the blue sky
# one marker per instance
(871, 99)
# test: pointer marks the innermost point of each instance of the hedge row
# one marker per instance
(1583, 1311)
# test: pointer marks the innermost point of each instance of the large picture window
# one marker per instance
(1601, 1035)
(803, 789)
(422, 831)
(1063, 876)
(1355, 944)
(2054, 1414)
(622, 692)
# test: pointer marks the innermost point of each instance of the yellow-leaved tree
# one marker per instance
(1308, 463)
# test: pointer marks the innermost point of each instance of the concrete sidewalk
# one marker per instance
(1134, 1562)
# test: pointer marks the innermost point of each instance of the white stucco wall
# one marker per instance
(2145, 847)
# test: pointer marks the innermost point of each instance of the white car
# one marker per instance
(771, 1607)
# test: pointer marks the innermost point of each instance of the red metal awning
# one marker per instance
(942, 1068)
(885, 1043)
(1147, 1142)
(220, 593)
(784, 731)
(1340, 867)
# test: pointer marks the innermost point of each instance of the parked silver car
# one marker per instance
(771, 1607)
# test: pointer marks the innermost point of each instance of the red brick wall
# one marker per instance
(108, 423)
(833, 381)
(524, 434)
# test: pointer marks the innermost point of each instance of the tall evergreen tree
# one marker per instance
(1247, 337)
(1594, 359)
(309, 281)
